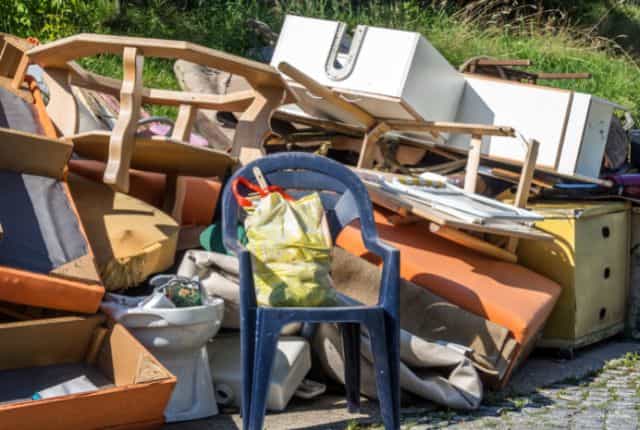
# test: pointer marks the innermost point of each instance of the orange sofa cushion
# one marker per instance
(505, 293)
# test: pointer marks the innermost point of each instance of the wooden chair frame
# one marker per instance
(256, 106)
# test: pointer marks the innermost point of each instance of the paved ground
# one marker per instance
(599, 389)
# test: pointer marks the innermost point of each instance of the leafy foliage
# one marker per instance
(557, 36)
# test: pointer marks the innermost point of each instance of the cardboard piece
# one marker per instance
(131, 239)
(137, 377)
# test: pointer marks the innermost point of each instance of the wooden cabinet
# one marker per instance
(589, 258)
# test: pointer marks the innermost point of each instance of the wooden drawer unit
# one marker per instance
(589, 258)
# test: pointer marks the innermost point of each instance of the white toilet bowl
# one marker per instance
(178, 338)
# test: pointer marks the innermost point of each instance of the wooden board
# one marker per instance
(159, 154)
(34, 154)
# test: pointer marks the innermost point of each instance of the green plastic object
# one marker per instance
(211, 238)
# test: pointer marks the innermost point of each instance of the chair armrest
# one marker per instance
(245, 269)
(389, 296)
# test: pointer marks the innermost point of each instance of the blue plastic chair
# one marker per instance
(345, 199)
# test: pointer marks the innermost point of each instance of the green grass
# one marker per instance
(551, 44)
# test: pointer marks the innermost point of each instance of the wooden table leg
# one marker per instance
(254, 124)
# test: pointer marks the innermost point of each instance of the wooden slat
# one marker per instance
(524, 186)
(319, 90)
(450, 127)
(497, 62)
(60, 52)
(159, 154)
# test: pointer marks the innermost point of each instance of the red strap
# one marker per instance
(245, 202)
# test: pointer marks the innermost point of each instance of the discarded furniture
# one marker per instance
(420, 74)
(571, 127)
(505, 69)
(131, 387)
(589, 258)
(504, 293)
(130, 238)
(375, 129)
(177, 337)
(345, 199)
(356, 88)
(633, 308)
(425, 315)
(45, 257)
(61, 72)
(291, 364)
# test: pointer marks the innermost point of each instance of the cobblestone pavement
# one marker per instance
(609, 399)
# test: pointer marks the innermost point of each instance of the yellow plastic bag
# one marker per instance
(291, 251)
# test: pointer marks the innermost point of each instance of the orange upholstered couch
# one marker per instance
(505, 293)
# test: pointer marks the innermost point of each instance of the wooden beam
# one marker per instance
(472, 242)
(524, 186)
(543, 75)
(497, 62)
(319, 90)
(122, 141)
(450, 127)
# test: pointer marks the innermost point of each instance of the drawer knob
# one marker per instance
(606, 232)
(607, 273)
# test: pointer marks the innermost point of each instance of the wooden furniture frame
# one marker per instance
(376, 128)
(57, 59)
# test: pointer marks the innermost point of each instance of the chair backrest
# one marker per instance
(343, 194)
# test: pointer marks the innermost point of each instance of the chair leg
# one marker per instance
(392, 330)
(267, 334)
(383, 368)
(351, 347)
(247, 345)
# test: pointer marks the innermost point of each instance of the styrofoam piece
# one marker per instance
(291, 364)
(391, 73)
(177, 337)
